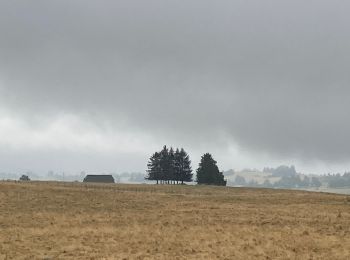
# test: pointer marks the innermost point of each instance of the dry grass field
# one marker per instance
(40, 220)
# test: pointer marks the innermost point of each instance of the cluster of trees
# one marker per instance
(169, 166)
(281, 171)
(337, 180)
(24, 178)
(289, 178)
(284, 182)
(297, 182)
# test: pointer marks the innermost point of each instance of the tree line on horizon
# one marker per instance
(170, 166)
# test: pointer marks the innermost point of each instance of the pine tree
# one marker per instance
(208, 172)
(177, 165)
(154, 168)
(184, 164)
(165, 164)
(171, 161)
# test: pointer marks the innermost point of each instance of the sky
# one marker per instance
(98, 86)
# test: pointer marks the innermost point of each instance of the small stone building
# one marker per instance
(99, 178)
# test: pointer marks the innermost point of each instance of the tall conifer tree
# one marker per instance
(208, 172)
(154, 168)
(184, 164)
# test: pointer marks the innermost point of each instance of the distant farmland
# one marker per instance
(51, 220)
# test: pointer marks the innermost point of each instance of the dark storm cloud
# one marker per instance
(271, 76)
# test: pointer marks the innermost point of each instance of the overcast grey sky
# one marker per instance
(99, 85)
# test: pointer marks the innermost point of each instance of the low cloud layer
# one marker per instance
(263, 77)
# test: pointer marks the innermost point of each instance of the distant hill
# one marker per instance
(286, 177)
(249, 177)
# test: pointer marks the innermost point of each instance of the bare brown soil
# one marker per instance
(76, 221)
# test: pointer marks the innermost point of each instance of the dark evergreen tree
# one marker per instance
(165, 164)
(171, 169)
(208, 172)
(177, 165)
(154, 168)
(185, 167)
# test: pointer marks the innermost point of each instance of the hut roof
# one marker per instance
(99, 178)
